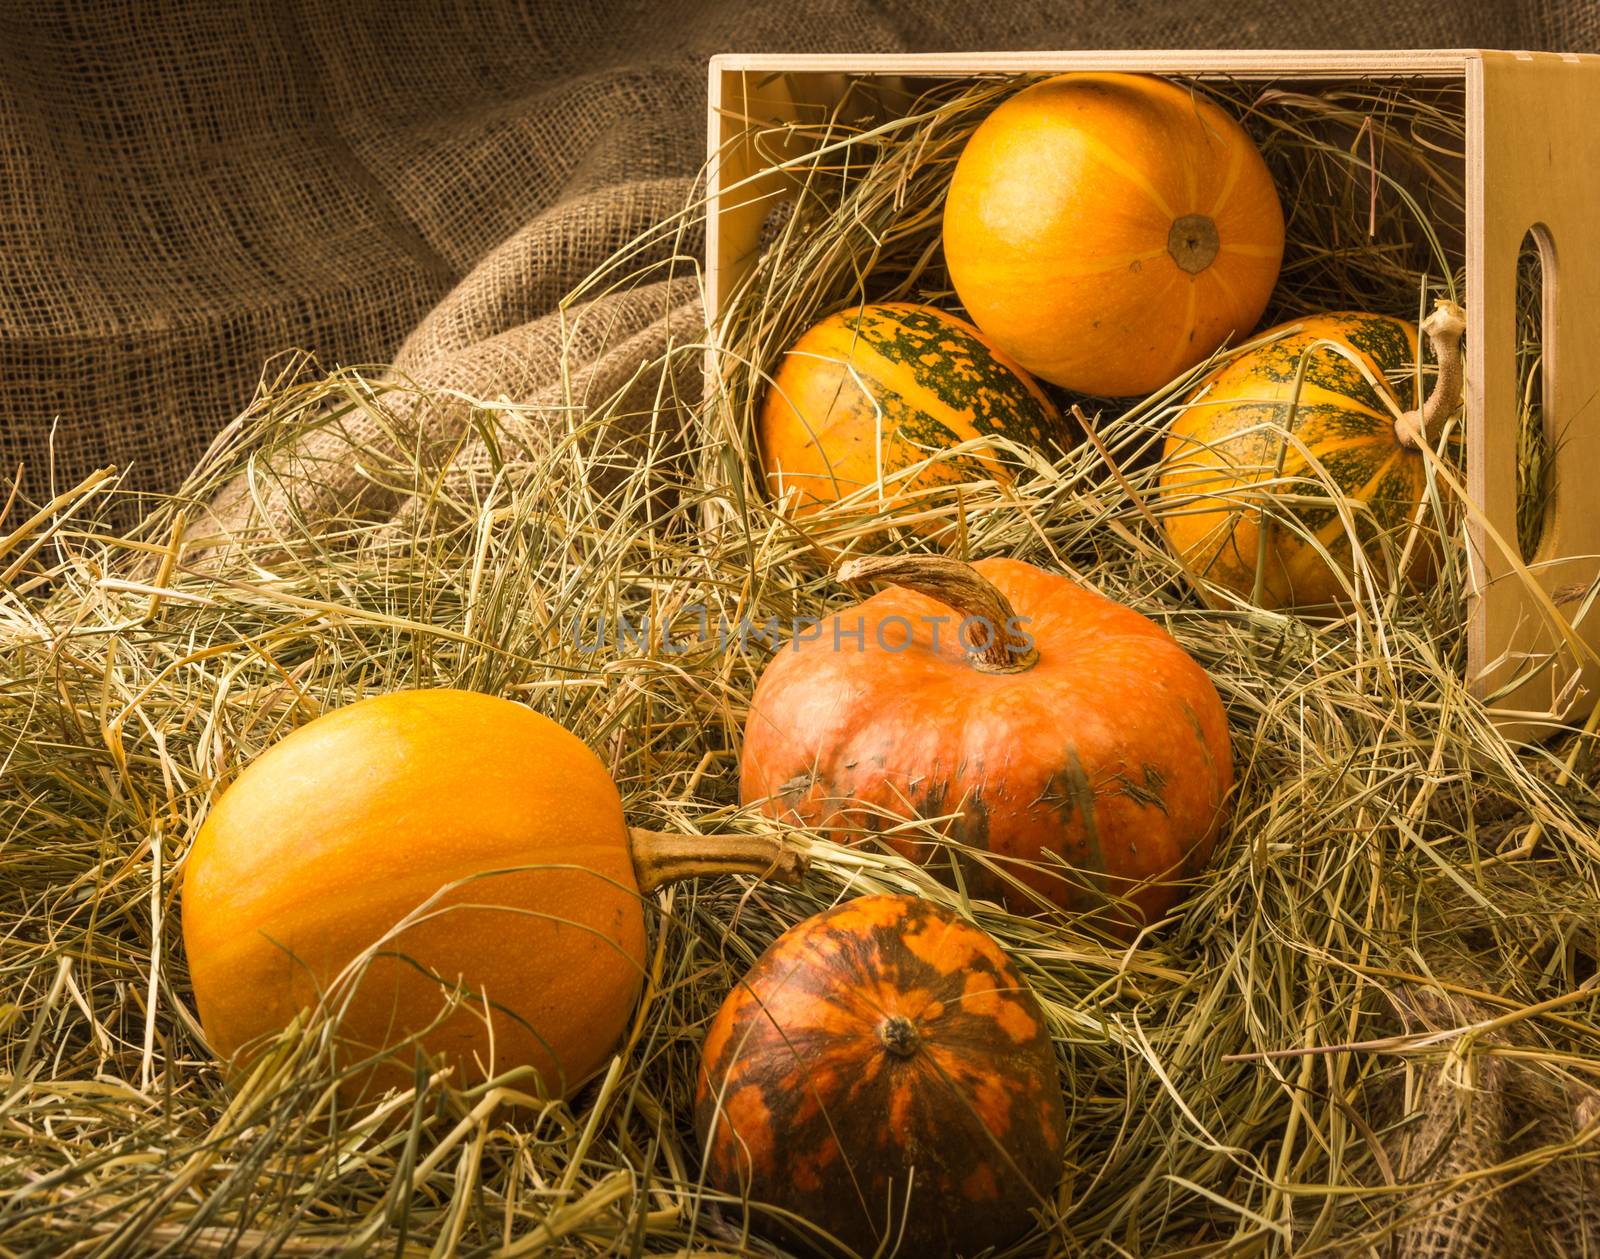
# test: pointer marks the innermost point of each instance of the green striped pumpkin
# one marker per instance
(1230, 439)
(873, 391)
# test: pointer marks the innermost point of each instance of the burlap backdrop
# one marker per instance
(187, 190)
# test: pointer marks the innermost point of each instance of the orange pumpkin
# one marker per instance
(868, 393)
(1069, 740)
(883, 1074)
(398, 825)
(1264, 431)
(1110, 231)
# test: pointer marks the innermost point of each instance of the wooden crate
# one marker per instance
(1532, 164)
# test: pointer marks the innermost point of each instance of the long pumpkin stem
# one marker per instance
(962, 588)
(1444, 329)
(660, 857)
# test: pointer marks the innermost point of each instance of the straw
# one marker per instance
(1259, 1074)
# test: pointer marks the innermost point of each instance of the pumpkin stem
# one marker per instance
(899, 1036)
(1443, 328)
(660, 857)
(1193, 242)
(989, 623)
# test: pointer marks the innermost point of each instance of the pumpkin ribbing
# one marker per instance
(1110, 231)
(1312, 406)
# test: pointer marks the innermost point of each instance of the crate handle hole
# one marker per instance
(1535, 366)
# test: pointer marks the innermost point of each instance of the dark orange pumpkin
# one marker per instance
(1092, 767)
(883, 1074)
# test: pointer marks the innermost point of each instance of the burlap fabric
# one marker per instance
(187, 190)
(1474, 1111)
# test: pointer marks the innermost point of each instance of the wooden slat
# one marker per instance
(1278, 62)
(742, 103)
(742, 187)
(1533, 160)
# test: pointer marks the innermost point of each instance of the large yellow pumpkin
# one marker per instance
(1254, 449)
(1110, 231)
(870, 392)
(423, 805)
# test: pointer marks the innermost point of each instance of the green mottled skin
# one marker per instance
(945, 358)
(867, 394)
(920, 434)
(1343, 432)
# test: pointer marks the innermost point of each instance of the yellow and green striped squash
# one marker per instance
(870, 392)
(1221, 476)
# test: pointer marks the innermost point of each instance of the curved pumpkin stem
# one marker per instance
(962, 588)
(660, 857)
(1444, 329)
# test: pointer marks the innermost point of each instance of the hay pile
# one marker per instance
(1373, 1028)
